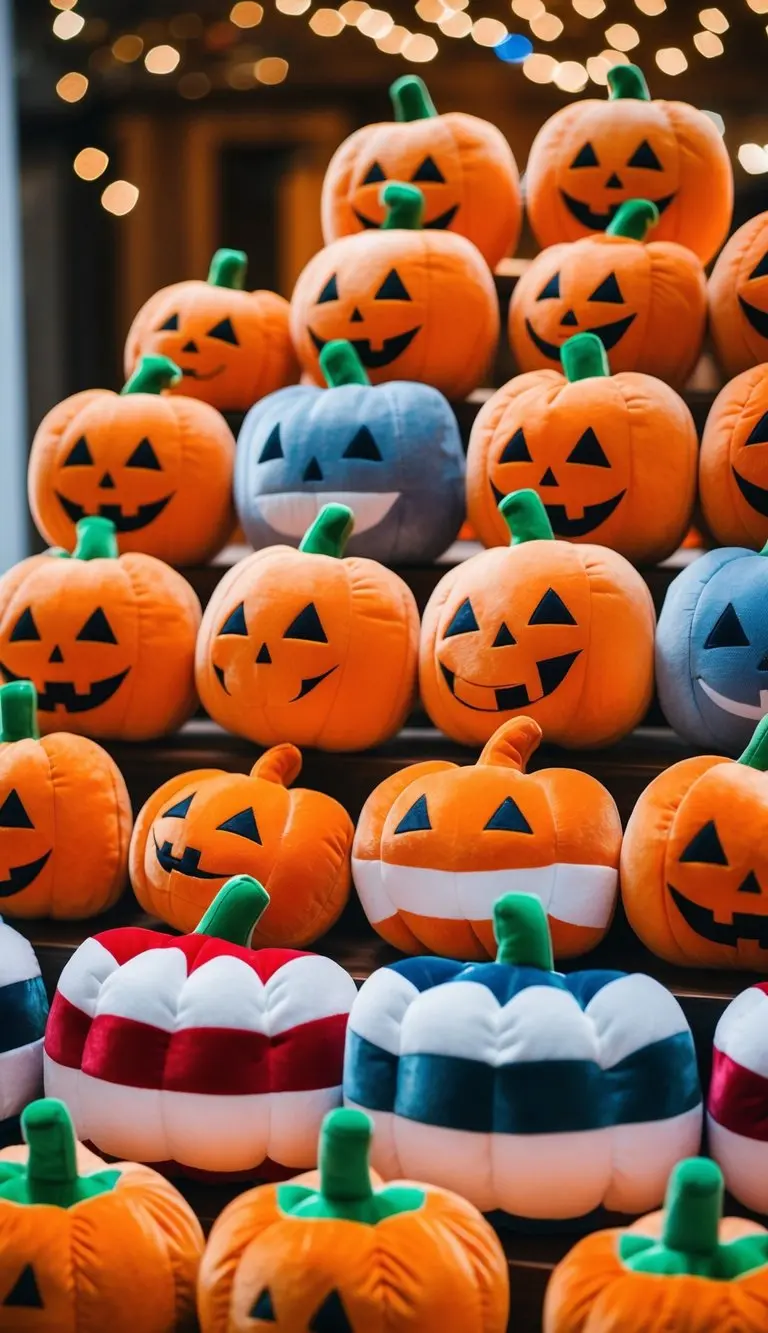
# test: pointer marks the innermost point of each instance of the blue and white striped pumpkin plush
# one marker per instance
(531, 1093)
(23, 1014)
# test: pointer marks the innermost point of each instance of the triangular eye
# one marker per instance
(706, 847)
(464, 621)
(243, 824)
(644, 156)
(25, 629)
(504, 638)
(551, 611)
(586, 157)
(12, 812)
(608, 290)
(588, 450)
(97, 629)
(263, 1308)
(235, 622)
(415, 820)
(224, 332)
(516, 449)
(509, 818)
(761, 269)
(79, 455)
(759, 433)
(331, 1317)
(170, 325)
(180, 809)
(330, 291)
(363, 446)
(429, 171)
(273, 448)
(727, 631)
(551, 290)
(25, 1293)
(307, 625)
(373, 175)
(144, 456)
(392, 288)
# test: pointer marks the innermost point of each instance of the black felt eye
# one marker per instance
(551, 290)
(235, 622)
(392, 288)
(144, 456)
(330, 291)
(224, 332)
(243, 824)
(759, 433)
(363, 446)
(12, 812)
(504, 637)
(588, 450)
(429, 171)
(516, 449)
(170, 325)
(706, 847)
(96, 629)
(25, 630)
(761, 269)
(79, 455)
(464, 621)
(25, 1293)
(551, 610)
(586, 157)
(373, 175)
(180, 809)
(509, 818)
(644, 156)
(608, 290)
(331, 1317)
(416, 819)
(263, 1308)
(273, 447)
(307, 625)
(727, 631)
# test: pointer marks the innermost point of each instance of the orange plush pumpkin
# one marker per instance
(65, 817)
(613, 457)
(733, 464)
(415, 304)
(231, 346)
(543, 628)
(646, 302)
(201, 828)
(437, 845)
(310, 647)
(738, 298)
(694, 865)
(335, 1251)
(684, 1270)
(88, 1246)
(159, 467)
(590, 157)
(464, 167)
(108, 642)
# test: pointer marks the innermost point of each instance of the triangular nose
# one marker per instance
(313, 471)
(549, 478)
(263, 658)
(190, 346)
(569, 319)
(750, 884)
(106, 483)
(57, 655)
(614, 182)
(355, 317)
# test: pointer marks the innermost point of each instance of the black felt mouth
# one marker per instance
(62, 693)
(145, 514)
(757, 318)
(192, 374)
(22, 876)
(609, 335)
(756, 496)
(307, 686)
(391, 348)
(744, 926)
(563, 526)
(186, 864)
(599, 221)
(552, 672)
(440, 223)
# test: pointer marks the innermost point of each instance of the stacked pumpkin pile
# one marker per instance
(203, 1041)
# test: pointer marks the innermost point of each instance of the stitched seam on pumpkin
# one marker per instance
(753, 387)
(339, 676)
(138, 608)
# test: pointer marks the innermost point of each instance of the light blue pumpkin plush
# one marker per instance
(393, 454)
(712, 649)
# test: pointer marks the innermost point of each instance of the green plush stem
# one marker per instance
(96, 539)
(235, 911)
(341, 365)
(584, 358)
(755, 755)
(228, 269)
(152, 375)
(627, 82)
(50, 1175)
(330, 532)
(18, 712)
(522, 933)
(411, 99)
(404, 205)
(633, 219)
(525, 516)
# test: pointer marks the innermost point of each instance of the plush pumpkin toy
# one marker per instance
(733, 469)
(393, 454)
(88, 1246)
(23, 1014)
(613, 457)
(159, 467)
(336, 1251)
(738, 298)
(647, 302)
(231, 346)
(463, 165)
(108, 642)
(197, 1053)
(310, 647)
(200, 828)
(437, 843)
(712, 649)
(684, 1270)
(529, 1092)
(576, 625)
(590, 157)
(415, 304)
(737, 1106)
(694, 864)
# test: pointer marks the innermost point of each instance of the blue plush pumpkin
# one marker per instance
(712, 649)
(393, 454)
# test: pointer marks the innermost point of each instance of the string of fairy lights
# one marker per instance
(165, 50)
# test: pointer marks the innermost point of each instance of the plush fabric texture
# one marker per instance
(591, 156)
(159, 467)
(464, 166)
(738, 298)
(23, 1013)
(108, 643)
(737, 1107)
(733, 473)
(437, 844)
(588, 443)
(200, 828)
(711, 647)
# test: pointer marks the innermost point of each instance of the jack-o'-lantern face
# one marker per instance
(207, 332)
(380, 320)
(602, 298)
(184, 842)
(753, 290)
(602, 164)
(738, 298)
(749, 464)
(118, 468)
(729, 653)
(29, 819)
(419, 164)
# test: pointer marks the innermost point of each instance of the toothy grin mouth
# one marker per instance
(563, 526)
(391, 348)
(599, 221)
(187, 864)
(504, 698)
(609, 335)
(440, 223)
(754, 712)
(744, 925)
(757, 318)
(191, 374)
(755, 496)
(145, 514)
(22, 876)
(292, 512)
(62, 693)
